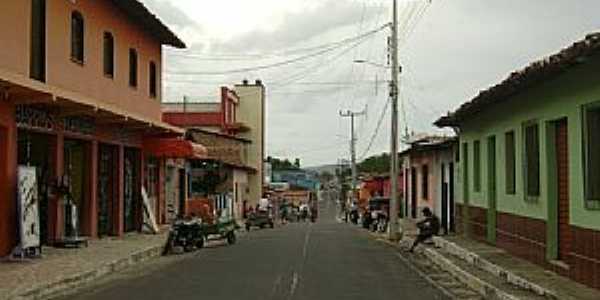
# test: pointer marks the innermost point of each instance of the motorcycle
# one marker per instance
(186, 234)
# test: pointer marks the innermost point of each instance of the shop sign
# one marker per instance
(81, 125)
(35, 118)
(31, 117)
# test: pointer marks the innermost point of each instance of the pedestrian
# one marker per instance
(428, 227)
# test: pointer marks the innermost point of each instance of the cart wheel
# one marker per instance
(188, 248)
(231, 238)
(200, 243)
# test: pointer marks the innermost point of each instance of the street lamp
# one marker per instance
(394, 87)
(366, 62)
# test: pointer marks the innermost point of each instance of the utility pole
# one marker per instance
(351, 115)
(394, 87)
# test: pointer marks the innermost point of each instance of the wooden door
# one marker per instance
(451, 197)
(444, 189)
(413, 192)
(562, 178)
(491, 212)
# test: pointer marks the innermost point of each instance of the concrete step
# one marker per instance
(489, 270)
(480, 281)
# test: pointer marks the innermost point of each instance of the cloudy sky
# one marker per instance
(449, 50)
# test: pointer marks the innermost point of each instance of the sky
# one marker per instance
(449, 51)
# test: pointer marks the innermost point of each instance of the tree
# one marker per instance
(375, 164)
(297, 163)
(285, 164)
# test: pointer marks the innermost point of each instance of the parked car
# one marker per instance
(260, 219)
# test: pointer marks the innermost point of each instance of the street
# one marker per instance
(325, 260)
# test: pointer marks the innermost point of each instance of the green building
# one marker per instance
(529, 177)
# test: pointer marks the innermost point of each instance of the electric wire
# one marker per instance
(281, 63)
(376, 132)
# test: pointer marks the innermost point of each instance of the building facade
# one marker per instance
(530, 159)
(429, 166)
(80, 86)
(230, 155)
(239, 118)
(252, 113)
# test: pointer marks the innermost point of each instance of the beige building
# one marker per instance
(251, 112)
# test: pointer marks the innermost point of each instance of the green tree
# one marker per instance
(375, 164)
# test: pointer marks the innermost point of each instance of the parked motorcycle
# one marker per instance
(186, 234)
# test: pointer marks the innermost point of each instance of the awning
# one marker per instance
(175, 148)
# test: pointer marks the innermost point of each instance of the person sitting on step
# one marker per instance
(428, 227)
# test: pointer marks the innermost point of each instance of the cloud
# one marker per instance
(302, 26)
(171, 14)
(459, 48)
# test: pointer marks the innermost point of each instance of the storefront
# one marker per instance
(96, 166)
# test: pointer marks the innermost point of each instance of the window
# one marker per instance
(133, 68)
(109, 55)
(591, 124)
(477, 166)
(532, 161)
(37, 62)
(77, 37)
(509, 159)
(152, 73)
(425, 182)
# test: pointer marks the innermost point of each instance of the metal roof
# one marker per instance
(149, 22)
(518, 81)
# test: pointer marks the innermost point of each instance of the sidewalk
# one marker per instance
(494, 272)
(64, 269)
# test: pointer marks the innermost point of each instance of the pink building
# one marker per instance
(429, 182)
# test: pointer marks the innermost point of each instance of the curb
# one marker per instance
(483, 288)
(66, 285)
(485, 265)
(447, 294)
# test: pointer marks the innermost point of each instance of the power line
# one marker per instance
(376, 132)
(285, 62)
(300, 75)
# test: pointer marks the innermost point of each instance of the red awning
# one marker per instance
(175, 148)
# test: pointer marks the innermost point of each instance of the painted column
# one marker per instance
(160, 197)
(8, 178)
(118, 207)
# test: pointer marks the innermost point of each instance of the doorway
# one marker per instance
(445, 199)
(451, 203)
(491, 180)
(131, 189)
(107, 189)
(413, 192)
(76, 169)
(33, 151)
(182, 192)
(561, 146)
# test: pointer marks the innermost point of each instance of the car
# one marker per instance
(259, 219)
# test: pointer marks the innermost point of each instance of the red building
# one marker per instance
(80, 93)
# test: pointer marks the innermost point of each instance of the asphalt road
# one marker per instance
(325, 260)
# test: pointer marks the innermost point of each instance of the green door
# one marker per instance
(491, 212)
